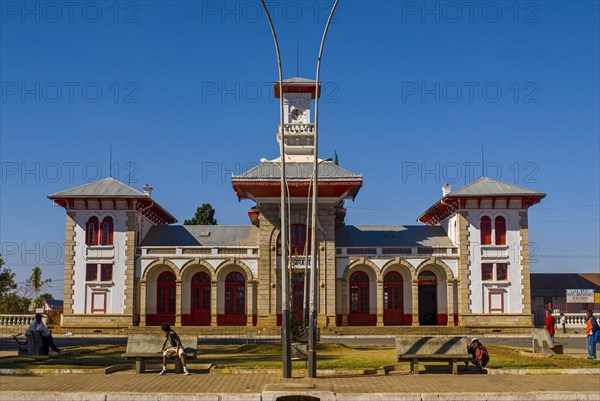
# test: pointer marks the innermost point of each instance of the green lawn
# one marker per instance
(268, 356)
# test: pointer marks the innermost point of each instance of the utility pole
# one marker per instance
(314, 274)
(285, 315)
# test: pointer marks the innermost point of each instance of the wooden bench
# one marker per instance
(143, 347)
(432, 349)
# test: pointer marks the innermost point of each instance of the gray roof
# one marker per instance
(300, 171)
(490, 186)
(298, 80)
(106, 188)
(196, 235)
(391, 236)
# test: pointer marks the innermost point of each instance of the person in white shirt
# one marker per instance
(563, 322)
(47, 341)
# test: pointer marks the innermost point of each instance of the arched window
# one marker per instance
(91, 231)
(298, 240)
(106, 231)
(485, 228)
(500, 227)
(359, 293)
(165, 294)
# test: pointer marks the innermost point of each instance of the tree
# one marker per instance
(205, 215)
(7, 280)
(34, 284)
(14, 304)
(39, 301)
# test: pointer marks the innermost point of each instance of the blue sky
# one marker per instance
(182, 90)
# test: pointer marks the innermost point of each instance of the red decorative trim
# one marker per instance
(501, 309)
(362, 319)
(441, 319)
(271, 188)
(150, 209)
(231, 320)
(448, 205)
(289, 87)
(93, 307)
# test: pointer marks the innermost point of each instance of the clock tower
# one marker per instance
(299, 131)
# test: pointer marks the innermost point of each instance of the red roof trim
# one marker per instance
(449, 204)
(149, 208)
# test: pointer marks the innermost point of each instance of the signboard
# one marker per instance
(299, 262)
(580, 296)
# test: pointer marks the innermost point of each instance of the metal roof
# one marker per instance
(202, 235)
(296, 170)
(298, 80)
(391, 236)
(556, 284)
(110, 188)
(106, 188)
(489, 186)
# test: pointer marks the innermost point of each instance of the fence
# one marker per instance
(574, 313)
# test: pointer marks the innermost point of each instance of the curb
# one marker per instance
(590, 371)
(319, 395)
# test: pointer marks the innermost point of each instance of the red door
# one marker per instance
(393, 311)
(359, 300)
(165, 298)
(298, 296)
(235, 300)
(200, 308)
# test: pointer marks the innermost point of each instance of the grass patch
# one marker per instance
(268, 356)
(502, 357)
(96, 356)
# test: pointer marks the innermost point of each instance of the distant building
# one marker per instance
(54, 305)
(548, 290)
(468, 265)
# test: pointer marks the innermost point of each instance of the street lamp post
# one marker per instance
(312, 335)
(285, 316)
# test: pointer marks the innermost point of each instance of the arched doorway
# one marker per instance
(359, 300)
(235, 300)
(393, 297)
(200, 300)
(427, 298)
(165, 298)
(298, 294)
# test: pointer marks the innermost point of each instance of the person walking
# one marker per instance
(591, 330)
(175, 349)
(550, 323)
(563, 322)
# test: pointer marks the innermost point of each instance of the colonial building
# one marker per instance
(127, 264)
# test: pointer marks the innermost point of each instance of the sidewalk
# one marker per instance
(263, 387)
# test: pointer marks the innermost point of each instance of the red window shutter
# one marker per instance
(91, 272)
(106, 231)
(500, 227)
(91, 231)
(487, 272)
(486, 230)
(106, 272)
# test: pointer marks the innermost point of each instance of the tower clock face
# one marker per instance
(297, 115)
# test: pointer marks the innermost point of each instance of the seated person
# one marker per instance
(479, 354)
(175, 348)
(47, 341)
